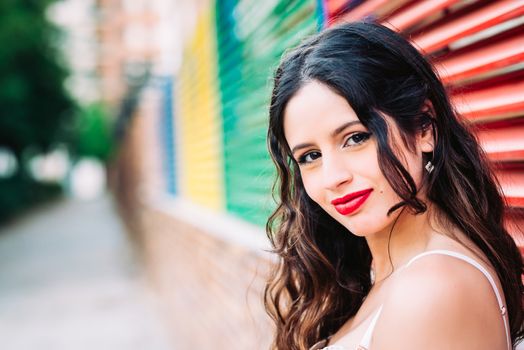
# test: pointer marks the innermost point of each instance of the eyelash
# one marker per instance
(364, 136)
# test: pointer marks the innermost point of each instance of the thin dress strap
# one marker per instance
(366, 340)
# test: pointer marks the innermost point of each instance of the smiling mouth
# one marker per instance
(350, 203)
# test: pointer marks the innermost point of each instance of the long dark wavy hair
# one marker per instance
(323, 272)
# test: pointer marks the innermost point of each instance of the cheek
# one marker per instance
(311, 186)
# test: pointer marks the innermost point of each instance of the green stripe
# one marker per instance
(251, 37)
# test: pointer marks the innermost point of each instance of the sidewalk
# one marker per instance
(68, 280)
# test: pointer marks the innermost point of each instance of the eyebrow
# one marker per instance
(335, 132)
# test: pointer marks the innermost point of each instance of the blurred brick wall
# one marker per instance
(211, 289)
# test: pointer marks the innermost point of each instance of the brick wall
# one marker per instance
(212, 289)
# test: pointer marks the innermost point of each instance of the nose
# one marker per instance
(335, 172)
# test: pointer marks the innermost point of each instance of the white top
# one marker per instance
(366, 339)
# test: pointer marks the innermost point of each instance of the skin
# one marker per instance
(334, 164)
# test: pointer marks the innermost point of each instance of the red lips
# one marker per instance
(351, 202)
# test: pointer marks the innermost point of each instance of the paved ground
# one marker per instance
(68, 280)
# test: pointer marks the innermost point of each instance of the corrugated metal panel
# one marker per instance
(504, 143)
(251, 38)
(199, 128)
(470, 23)
(489, 103)
(474, 63)
(418, 12)
(478, 49)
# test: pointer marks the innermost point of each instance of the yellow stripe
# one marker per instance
(200, 130)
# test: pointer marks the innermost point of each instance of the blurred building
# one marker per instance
(139, 37)
(124, 31)
(78, 21)
(194, 175)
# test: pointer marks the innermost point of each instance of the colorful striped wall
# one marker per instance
(222, 90)
(222, 93)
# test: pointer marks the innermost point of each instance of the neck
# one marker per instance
(410, 235)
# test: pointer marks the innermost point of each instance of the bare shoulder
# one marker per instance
(440, 302)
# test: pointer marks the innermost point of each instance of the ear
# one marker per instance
(427, 135)
(427, 138)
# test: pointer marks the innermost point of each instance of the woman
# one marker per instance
(389, 222)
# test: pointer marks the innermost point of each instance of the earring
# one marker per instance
(429, 167)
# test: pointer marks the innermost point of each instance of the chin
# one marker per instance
(364, 226)
(361, 232)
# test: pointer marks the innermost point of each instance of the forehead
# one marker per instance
(315, 108)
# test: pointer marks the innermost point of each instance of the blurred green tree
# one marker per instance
(35, 108)
(93, 133)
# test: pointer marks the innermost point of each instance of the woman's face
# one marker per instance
(338, 160)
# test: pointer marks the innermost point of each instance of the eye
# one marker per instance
(356, 139)
(308, 157)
